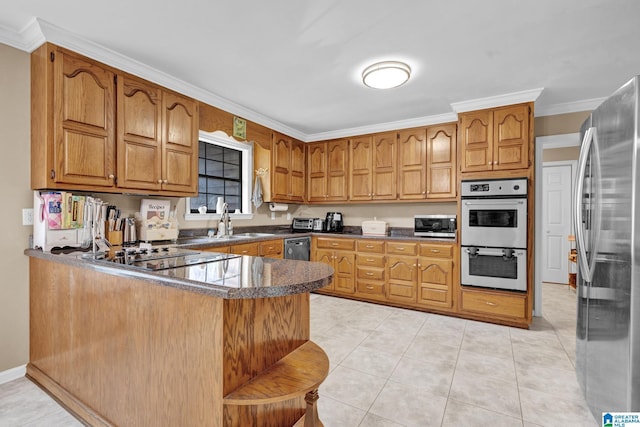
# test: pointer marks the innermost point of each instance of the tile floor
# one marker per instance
(394, 367)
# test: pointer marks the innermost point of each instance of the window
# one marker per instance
(224, 170)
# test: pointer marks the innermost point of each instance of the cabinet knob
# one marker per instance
(369, 287)
(492, 304)
(435, 251)
(369, 246)
(489, 163)
(369, 273)
(111, 176)
(159, 181)
(400, 248)
(165, 181)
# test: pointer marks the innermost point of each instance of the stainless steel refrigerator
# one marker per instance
(607, 221)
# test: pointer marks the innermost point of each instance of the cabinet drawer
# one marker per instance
(433, 250)
(271, 248)
(373, 246)
(370, 273)
(401, 248)
(245, 249)
(370, 260)
(494, 304)
(328, 243)
(370, 289)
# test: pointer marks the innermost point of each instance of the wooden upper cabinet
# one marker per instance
(288, 169)
(441, 161)
(511, 138)
(361, 168)
(83, 139)
(385, 149)
(179, 143)
(412, 164)
(73, 109)
(496, 139)
(317, 171)
(139, 139)
(327, 169)
(477, 140)
(337, 170)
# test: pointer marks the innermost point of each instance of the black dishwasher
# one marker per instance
(297, 248)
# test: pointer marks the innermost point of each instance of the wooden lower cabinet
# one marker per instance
(500, 304)
(338, 253)
(401, 273)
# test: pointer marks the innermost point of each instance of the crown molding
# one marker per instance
(497, 101)
(39, 31)
(559, 141)
(383, 127)
(569, 107)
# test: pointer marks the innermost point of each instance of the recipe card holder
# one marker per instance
(153, 230)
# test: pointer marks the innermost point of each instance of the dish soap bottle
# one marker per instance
(230, 228)
(221, 228)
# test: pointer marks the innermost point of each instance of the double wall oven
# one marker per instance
(494, 234)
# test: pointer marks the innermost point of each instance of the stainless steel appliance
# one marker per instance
(297, 248)
(442, 226)
(305, 225)
(163, 257)
(494, 234)
(606, 217)
(333, 222)
(494, 213)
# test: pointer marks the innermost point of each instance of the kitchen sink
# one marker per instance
(248, 235)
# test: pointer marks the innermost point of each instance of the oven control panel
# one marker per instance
(495, 188)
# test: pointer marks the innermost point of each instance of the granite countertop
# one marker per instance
(230, 277)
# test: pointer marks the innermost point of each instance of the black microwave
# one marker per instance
(442, 226)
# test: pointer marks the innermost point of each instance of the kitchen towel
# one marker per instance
(257, 193)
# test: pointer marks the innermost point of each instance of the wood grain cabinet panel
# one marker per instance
(412, 164)
(441, 161)
(495, 139)
(271, 248)
(385, 153)
(402, 273)
(327, 169)
(361, 168)
(338, 253)
(435, 282)
(95, 128)
(83, 121)
(288, 164)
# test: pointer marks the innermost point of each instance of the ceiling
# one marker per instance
(296, 65)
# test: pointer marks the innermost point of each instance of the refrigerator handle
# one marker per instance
(583, 262)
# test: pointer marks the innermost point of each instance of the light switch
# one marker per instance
(27, 216)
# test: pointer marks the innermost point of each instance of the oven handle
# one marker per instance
(493, 251)
(493, 203)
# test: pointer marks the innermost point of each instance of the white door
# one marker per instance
(556, 223)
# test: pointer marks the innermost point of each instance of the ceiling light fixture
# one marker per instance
(386, 74)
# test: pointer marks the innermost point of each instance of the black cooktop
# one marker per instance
(162, 258)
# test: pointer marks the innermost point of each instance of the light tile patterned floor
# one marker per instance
(394, 367)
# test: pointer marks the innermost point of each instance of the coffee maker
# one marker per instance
(333, 222)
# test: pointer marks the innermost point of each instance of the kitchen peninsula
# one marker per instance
(220, 343)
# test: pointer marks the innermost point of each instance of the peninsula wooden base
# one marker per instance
(121, 351)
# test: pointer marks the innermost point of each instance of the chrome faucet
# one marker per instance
(224, 218)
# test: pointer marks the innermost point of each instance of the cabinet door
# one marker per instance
(84, 122)
(179, 143)
(337, 170)
(280, 164)
(344, 266)
(360, 168)
(412, 164)
(139, 139)
(511, 138)
(385, 152)
(297, 172)
(271, 248)
(477, 141)
(441, 161)
(402, 278)
(326, 256)
(435, 282)
(317, 171)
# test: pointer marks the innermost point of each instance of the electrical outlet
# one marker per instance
(27, 216)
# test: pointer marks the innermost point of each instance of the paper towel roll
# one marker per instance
(278, 207)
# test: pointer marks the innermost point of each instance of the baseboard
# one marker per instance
(12, 374)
